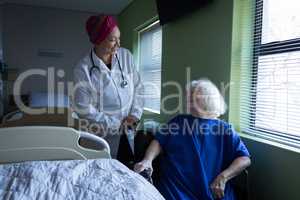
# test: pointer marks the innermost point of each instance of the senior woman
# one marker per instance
(108, 89)
(200, 153)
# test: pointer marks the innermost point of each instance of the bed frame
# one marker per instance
(30, 143)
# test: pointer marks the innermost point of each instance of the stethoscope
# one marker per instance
(123, 84)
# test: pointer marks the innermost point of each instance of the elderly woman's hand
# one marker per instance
(144, 164)
(218, 186)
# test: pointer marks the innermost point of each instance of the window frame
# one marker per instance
(147, 27)
(264, 49)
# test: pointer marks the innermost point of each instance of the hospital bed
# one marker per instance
(47, 143)
(43, 162)
(62, 115)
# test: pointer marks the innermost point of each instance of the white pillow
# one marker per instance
(42, 99)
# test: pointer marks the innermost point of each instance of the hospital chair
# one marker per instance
(241, 185)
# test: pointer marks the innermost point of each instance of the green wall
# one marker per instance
(202, 41)
(274, 173)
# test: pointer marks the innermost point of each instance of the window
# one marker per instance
(149, 61)
(270, 87)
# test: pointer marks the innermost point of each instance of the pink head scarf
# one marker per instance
(99, 27)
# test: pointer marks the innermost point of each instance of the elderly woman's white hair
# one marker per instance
(204, 99)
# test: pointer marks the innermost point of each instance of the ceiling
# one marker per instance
(100, 6)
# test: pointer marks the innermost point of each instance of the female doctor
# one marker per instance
(108, 89)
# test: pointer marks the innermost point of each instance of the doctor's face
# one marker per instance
(112, 43)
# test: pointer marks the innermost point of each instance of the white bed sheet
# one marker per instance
(105, 179)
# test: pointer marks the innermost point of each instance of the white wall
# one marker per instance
(28, 29)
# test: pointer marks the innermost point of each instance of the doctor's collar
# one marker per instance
(97, 60)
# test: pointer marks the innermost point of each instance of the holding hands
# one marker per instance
(129, 122)
(143, 165)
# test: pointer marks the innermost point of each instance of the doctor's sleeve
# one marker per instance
(138, 95)
(85, 101)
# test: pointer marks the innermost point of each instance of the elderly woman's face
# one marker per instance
(112, 42)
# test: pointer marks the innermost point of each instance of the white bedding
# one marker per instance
(104, 179)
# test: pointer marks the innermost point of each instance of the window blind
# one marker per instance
(150, 43)
(270, 69)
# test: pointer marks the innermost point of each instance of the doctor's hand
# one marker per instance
(218, 186)
(130, 122)
(143, 165)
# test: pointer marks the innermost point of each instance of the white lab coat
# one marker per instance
(100, 97)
